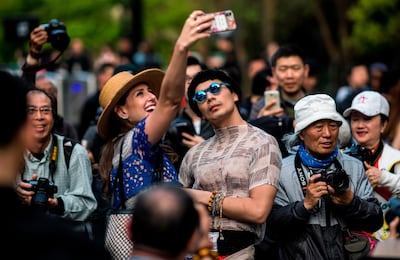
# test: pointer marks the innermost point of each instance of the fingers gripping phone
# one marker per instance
(184, 128)
(223, 21)
(270, 95)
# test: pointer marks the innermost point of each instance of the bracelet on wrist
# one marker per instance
(211, 201)
(35, 55)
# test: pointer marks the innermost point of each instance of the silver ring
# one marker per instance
(198, 28)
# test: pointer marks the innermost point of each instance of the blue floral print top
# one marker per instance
(143, 165)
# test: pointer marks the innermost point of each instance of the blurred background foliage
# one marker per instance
(337, 33)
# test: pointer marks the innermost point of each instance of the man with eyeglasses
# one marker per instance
(321, 190)
(48, 181)
(235, 172)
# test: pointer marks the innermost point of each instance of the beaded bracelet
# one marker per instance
(216, 203)
(205, 252)
(211, 200)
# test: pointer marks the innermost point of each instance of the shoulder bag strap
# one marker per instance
(119, 179)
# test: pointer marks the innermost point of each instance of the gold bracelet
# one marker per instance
(211, 201)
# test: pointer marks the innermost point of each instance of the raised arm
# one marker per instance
(173, 85)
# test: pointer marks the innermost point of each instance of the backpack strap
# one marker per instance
(68, 145)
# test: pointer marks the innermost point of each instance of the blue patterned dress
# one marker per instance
(143, 165)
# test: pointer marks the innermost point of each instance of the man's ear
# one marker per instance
(235, 97)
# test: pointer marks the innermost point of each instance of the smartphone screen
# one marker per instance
(270, 95)
(223, 21)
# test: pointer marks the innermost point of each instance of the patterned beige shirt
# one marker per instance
(234, 161)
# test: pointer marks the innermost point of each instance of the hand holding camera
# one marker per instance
(57, 34)
(337, 179)
(54, 33)
(43, 189)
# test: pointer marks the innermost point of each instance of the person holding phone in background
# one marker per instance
(188, 129)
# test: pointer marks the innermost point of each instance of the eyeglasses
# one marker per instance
(43, 110)
(214, 88)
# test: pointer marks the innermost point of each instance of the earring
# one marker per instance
(124, 118)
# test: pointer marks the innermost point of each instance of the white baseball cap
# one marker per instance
(312, 108)
(369, 103)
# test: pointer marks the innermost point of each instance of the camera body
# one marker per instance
(57, 34)
(360, 152)
(337, 178)
(43, 189)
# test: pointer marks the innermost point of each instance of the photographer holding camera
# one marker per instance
(37, 234)
(50, 180)
(320, 188)
(57, 175)
(369, 115)
(53, 33)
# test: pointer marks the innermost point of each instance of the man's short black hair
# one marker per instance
(164, 218)
(13, 106)
(211, 74)
(287, 50)
(192, 60)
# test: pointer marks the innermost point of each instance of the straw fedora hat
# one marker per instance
(118, 85)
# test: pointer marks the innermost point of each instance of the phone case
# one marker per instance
(270, 95)
(223, 21)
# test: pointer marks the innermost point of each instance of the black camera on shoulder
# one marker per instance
(43, 189)
(337, 178)
(360, 152)
(57, 34)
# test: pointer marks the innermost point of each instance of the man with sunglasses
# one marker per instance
(235, 172)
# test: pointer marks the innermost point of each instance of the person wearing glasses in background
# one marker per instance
(73, 198)
(188, 129)
(38, 234)
(235, 172)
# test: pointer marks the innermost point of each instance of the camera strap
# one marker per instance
(301, 175)
(53, 157)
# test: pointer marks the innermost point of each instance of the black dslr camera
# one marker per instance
(43, 189)
(337, 178)
(360, 152)
(57, 34)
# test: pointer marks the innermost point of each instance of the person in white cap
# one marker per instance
(369, 114)
(320, 188)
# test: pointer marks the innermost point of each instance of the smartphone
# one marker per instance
(223, 21)
(184, 127)
(270, 95)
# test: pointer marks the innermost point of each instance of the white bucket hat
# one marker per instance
(312, 108)
(369, 103)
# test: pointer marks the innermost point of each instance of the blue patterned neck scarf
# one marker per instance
(310, 161)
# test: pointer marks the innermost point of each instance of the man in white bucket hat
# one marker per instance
(319, 188)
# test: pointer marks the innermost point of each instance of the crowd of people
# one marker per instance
(206, 172)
